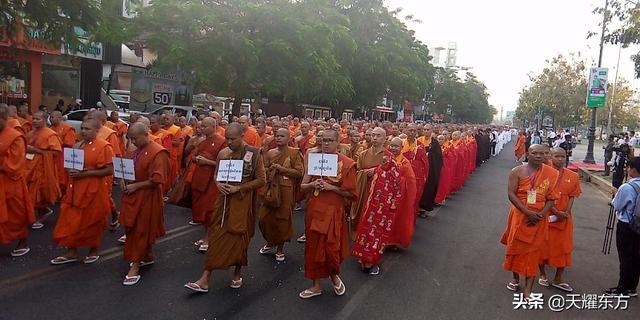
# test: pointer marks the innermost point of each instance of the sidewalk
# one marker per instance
(581, 150)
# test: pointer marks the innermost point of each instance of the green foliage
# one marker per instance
(468, 98)
(623, 26)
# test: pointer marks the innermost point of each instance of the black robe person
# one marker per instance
(431, 186)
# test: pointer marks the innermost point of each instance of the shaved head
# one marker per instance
(138, 134)
(138, 128)
(235, 128)
(93, 123)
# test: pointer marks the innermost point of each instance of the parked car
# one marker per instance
(74, 118)
(121, 98)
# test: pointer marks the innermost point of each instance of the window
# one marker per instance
(77, 115)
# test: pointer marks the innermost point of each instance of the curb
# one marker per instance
(599, 182)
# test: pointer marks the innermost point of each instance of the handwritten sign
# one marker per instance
(124, 169)
(73, 158)
(322, 164)
(230, 170)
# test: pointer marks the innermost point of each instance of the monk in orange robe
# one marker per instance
(355, 148)
(532, 193)
(187, 130)
(166, 141)
(12, 117)
(327, 243)
(111, 137)
(203, 182)
(405, 219)
(16, 206)
(25, 118)
(414, 151)
(302, 141)
(251, 136)
(142, 203)
(67, 135)
(41, 175)
(232, 224)
(120, 128)
(177, 145)
(284, 167)
(85, 206)
(366, 165)
(519, 149)
(294, 127)
(557, 250)
(458, 170)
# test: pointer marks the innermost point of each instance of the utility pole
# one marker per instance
(588, 158)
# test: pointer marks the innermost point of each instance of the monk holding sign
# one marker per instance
(327, 240)
(232, 224)
(557, 250)
(285, 166)
(532, 194)
(42, 167)
(16, 207)
(142, 203)
(85, 207)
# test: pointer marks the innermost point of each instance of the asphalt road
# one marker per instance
(451, 271)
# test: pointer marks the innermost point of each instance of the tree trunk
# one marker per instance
(235, 109)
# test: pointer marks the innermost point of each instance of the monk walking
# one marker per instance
(414, 151)
(285, 167)
(142, 203)
(532, 194)
(405, 220)
(17, 212)
(67, 135)
(203, 183)
(232, 224)
(327, 243)
(41, 172)
(85, 206)
(520, 147)
(559, 247)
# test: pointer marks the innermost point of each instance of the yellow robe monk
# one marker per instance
(67, 135)
(520, 149)
(187, 131)
(41, 169)
(86, 205)
(16, 206)
(233, 222)
(141, 212)
(327, 242)
(368, 159)
(275, 219)
(557, 250)
(524, 242)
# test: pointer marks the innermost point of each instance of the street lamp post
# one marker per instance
(588, 158)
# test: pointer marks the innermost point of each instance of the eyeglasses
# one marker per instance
(328, 140)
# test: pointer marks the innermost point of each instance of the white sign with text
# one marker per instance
(73, 158)
(322, 164)
(124, 168)
(230, 171)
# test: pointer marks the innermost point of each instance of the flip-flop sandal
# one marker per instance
(62, 260)
(340, 289)
(543, 282)
(563, 286)
(513, 286)
(20, 252)
(306, 294)
(143, 263)
(195, 287)
(90, 259)
(302, 239)
(193, 223)
(280, 257)
(37, 225)
(122, 239)
(129, 281)
(265, 249)
(198, 243)
(203, 248)
(236, 284)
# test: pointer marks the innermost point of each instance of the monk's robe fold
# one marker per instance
(175, 153)
(416, 154)
(232, 229)
(448, 161)
(557, 250)
(165, 139)
(375, 229)
(25, 124)
(42, 170)
(252, 138)
(524, 242)
(404, 223)
(434, 153)
(203, 182)
(327, 242)
(303, 143)
(519, 148)
(16, 206)
(276, 223)
(368, 159)
(86, 205)
(141, 212)
(67, 135)
(120, 128)
(187, 131)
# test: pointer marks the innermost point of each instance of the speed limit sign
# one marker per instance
(162, 94)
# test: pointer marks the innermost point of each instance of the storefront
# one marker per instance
(316, 112)
(383, 113)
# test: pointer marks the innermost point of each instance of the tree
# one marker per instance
(468, 98)
(559, 89)
(625, 108)
(625, 17)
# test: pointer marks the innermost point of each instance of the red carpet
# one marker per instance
(588, 166)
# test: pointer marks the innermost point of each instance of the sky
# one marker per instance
(506, 40)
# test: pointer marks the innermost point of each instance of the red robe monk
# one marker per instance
(203, 181)
(327, 239)
(86, 205)
(417, 156)
(142, 202)
(41, 170)
(405, 220)
(519, 149)
(557, 250)
(532, 193)
(458, 170)
(302, 141)
(67, 135)
(16, 206)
